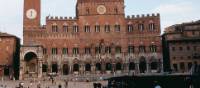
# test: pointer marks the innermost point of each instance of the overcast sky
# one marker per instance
(172, 11)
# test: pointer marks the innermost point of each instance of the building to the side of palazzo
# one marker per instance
(182, 47)
(9, 55)
(100, 40)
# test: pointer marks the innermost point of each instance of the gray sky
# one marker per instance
(172, 11)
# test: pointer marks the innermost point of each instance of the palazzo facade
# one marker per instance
(100, 39)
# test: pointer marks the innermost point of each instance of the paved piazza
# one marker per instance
(48, 84)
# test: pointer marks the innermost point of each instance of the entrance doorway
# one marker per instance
(54, 68)
(142, 65)
(65, 69)
(31, 62)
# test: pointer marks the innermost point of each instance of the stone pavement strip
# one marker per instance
(48, 84)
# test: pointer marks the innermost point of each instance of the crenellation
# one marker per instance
(143, 16)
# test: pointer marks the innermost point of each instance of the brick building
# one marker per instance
(9, 55)
(182, 46)
(98, 40)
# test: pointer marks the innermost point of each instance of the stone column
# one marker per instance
(21, 68)
(148, 69)
(138, 68)
(92, 68)
(103, 67)
(39, 68)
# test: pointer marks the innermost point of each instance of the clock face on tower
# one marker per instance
(101, 9)
(31, 14)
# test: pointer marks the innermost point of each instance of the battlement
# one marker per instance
(142, 16)
(60, 18)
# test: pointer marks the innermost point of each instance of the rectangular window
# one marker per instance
(65, 51)
(97, 28)
(87, 50)
(117, 28)
(54, 51)
(87, 28)
(107, 49)
(75, 51)
(130, 49)
(130, 28)
(75, 29)
(107, 28)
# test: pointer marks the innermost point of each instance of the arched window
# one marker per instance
(87, 67)
(107, 28)
(131, 66)
(75, 29)
(142, 49)
(98, 66)
(76, 67)
(108, 66)
(118, 66)
(118, 49)
(151, 26)
(116, 10)
(54, 28)
(153, 48)
(87, 28)
(117, 28)
(141, 27)
(65, 28)
(142, 65)
(130, 28)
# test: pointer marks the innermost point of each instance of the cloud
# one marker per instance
(175, 8)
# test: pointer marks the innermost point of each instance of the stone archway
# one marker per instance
(108, 66)
(31, 63)
(142, 65)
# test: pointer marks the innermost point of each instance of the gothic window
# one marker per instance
(117, 28)
(141, 27)
(98, 50)
(118, 49)
(130, 49)
(116, 10)
(130, 28)
(107, 49)
(107, 28)
(153, 48)
(142, 49)
(87, 28)
(87, 50)
(75, 51)
(54, 28)
(54, 51)
(65, 28)
(75, 29)
(97, 28)
(151, 27)
(87, 11)
(65, 51)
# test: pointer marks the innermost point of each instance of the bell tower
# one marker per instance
(31, 17)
